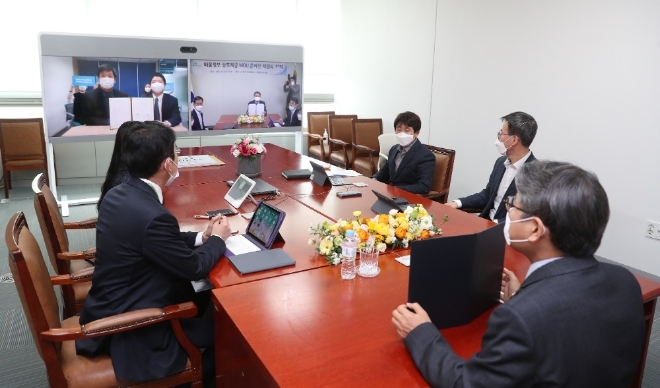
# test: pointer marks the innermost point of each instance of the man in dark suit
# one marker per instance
(166, 107)
(513, 141)
(410, 165)
(197, 115)
(574, 322)
(144, 261)
(97, 101)
(257, 105)
(293, 114)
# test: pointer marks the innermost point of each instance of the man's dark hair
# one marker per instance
(522, 125)
(145, 148)
(256, 93)
(410, 119)
(106, 67)
(294, 99)
(569, 200)
(197, 98)
(161, 76)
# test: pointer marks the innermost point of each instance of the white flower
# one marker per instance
(311, 241)
(381, 247)
(405, 243)
(236, 153)
(426, 222)
(364, 227)
(431, 233)
(393, 212)
(335, 259)
(408, 210)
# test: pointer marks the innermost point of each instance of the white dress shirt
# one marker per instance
(160, 109)
(540, 264)
(507, 178)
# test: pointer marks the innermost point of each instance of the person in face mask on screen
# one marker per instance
(166, 107)
(97, 101)
(410, 165)
(196, 114)
(256, 106)
(293, 114)
(513, 141)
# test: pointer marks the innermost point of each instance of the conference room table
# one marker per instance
(303, 325)
(229, 120)
(87, 130)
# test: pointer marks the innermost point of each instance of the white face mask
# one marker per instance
(157, 87)
(404, 139)
(501, 148)
(292, 108)
(172, 177)
(300, 117)
(107, 82)
(507, 225)
(82, 89)
(147, 90)
(198, 108)
(293, 83)
(257, 99)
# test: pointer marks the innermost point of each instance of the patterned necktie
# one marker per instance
(156, 110)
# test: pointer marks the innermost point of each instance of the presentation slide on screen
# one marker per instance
(85, 96)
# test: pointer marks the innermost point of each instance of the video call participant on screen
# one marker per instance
(97, 101)
(144, 261)
(197, 115)
(79, 109)
(253, 107)
(513, 141)
(410, 165)
(147, 90)
(292, 89)
(293, 114)
(574, 322)
(166, 107)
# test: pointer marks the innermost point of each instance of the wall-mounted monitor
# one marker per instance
(92, 84)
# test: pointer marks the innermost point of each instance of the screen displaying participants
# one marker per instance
(245, 94)
(86, 96)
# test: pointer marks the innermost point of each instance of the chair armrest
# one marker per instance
(121, 322)
(339, 142)
(371, 151)
(82, 276)
(314, 136)
(84, 224)
(78, 255)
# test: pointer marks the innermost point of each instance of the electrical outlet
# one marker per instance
(652, 230)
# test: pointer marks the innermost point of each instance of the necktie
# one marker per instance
(156, 110)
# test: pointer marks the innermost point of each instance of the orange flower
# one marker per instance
(400, 232)
(348, 226)
(363, 235)
(425, 234)
(384, 219)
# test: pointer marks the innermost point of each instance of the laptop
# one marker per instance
(457, 278)
(320, 177)
(384, 204)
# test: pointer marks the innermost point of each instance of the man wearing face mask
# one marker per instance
(574, 322)
(293, 115)
(166, 107)
(292, 89)
(144, 261)
(410, 165)
(513, 141)
(97, 103)
(196, 115)
(147, 90)
(256, 106)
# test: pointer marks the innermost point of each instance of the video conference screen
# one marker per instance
(86, 96)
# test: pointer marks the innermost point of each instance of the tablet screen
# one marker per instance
(240, 189)
(265, 223)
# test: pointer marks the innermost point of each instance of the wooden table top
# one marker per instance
(229, 120)
(88, 130)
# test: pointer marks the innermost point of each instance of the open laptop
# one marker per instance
(261, 187)
(457, 278)
(384, 204)
(320, 177)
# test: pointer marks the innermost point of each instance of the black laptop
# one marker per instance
(321, 178)
(384, 204)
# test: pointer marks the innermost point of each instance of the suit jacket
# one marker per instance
(197, 120)
(291, 119)
(485, 199)
(96, 111)
(573, 323)
(143, 261)
(169, 109)
(415, 173)
(253, 102)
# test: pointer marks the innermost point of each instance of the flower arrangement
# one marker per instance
(245, 119)
(393, 230)
(248, 147)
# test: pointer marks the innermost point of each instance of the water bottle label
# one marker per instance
(349, 251)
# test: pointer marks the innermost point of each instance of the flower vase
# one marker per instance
(250, 167)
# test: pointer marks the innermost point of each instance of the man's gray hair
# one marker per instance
(569, 200)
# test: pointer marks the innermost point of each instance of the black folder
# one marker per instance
(458, 278)
(297, 174)
(261, 261)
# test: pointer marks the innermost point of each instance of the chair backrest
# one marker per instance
(444, 167)
(366, 132)
(317, 122)
(22, 139)
(33, 285)
(386, 141)
(51, 223)
(340, 128)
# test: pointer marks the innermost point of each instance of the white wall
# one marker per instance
(588, 71)
(57, 82)
(386, 59)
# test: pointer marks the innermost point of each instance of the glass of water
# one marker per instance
(368, 263)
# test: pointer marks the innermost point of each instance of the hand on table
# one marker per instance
(452, 204)
(510, 284)
(405, 320)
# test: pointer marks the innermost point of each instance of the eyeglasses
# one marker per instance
(508, 203)
(177, 151)
(500, 134)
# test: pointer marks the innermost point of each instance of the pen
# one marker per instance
(201, 217)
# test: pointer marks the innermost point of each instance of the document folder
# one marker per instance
(458, 278)
(261, 261)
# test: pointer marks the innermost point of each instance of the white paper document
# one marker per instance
(405, 260)
(198, 161)
(120, 111)
(255, 110)
(143, 108)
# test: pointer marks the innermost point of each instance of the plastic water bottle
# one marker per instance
(348, 253)
(325, 136)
